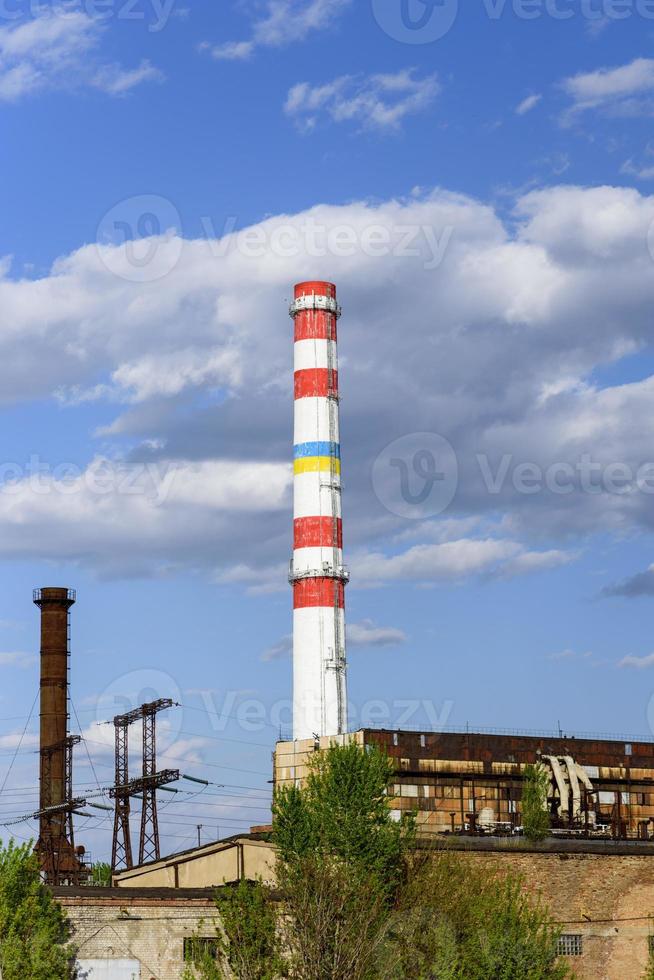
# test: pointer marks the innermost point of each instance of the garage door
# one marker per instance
(108, 970)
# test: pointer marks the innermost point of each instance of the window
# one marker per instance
(195, 947)
(569, 945)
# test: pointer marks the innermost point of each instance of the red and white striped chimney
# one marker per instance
(317, 574)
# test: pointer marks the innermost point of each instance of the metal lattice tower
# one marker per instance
(121, 850)
(146, 786)
(149, 844)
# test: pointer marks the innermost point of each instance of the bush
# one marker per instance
(34, 932)
(535, 815)
(456, 921)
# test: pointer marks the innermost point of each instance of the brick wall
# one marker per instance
(607, 899)
(148, 930)
(603, 892)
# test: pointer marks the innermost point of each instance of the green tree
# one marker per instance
(34, 933)
(649, 973)
(342, 861)
(343, 813)
(334, 920)
(247, 943)
(101, 874)
(535, 791)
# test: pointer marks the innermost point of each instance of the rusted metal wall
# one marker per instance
(449, 776)
(513, 748)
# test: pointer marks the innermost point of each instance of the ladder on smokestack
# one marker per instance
(338, 664)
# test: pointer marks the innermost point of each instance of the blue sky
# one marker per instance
(483, 201)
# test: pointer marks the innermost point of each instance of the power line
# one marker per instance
(95, 775)
(11, 765)
(177, 758)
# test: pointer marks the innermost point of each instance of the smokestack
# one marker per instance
(317, 575)
(56, 845)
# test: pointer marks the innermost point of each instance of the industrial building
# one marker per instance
(596, 871)
(472, 783)
(601, 893)
(137, 935)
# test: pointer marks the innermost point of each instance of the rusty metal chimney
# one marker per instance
(56, 846)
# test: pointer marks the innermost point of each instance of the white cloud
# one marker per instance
(367, 634)
(23, 660)
(282, 22)
(57, 49)
(625, 90)
(173, 751)
(173, 508)
(373, 101)
(639, 663)
(233, 51)
(570, 655)
(163, 375)
(508, 327)
(280, 650)
(528, 104)
(16, 739)
(116, 80)
(639, 171)
(527, 562)
(363, 634)
(452, 561)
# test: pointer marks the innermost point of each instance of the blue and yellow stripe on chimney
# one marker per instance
(317, 457)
